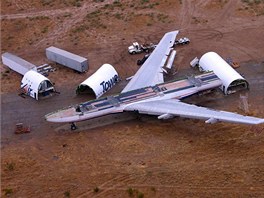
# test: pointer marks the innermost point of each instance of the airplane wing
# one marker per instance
(169, 108)
(151, 73)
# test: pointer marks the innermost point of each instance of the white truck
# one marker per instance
(182, 41)
(135, 48)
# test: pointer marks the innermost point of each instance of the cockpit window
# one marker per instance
(78, 109)
(83, 108)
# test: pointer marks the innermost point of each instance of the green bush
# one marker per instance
(67, 194)
(8, 191)
(10, 166)
(130, 192)
(96, 189)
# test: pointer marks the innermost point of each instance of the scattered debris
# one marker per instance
(45, 69)
(230, 61)
(22, 93)
(20, 129)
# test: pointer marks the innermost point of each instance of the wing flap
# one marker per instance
(177, 108)
(150, 72)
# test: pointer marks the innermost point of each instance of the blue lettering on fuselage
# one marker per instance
(110, 83)
(27, 89)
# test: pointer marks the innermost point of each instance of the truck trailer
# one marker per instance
(17, 64)
(67, 59)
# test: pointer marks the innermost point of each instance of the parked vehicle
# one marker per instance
(182, 41)
(142, 61)
(135, 48)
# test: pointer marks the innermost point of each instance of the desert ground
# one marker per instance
(128, 155)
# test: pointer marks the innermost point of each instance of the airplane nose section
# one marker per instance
(65, 115)
(56, 117)
(52, 117)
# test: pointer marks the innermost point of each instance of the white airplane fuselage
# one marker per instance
(115, 104)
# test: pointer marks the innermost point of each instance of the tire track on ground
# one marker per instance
(228, 10)
(47, 13)
(109, 185)
(68, 24)
(188, 11)
(253, 56)
(124, 181)
(77, 15)
(207, 34)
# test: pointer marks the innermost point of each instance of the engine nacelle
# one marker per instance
(211, 121)
(165, 116)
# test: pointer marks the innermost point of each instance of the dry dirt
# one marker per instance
(140, 157)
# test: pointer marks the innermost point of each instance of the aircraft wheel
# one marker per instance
(73, 127)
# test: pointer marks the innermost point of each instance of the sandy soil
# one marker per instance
(139, 156)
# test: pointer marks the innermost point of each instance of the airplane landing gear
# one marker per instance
(73, 126)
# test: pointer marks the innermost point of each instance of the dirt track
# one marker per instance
(175, 158)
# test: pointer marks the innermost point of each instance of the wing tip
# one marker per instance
(261, 121)
(175, 32)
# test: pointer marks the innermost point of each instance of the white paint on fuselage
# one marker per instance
(89, 114)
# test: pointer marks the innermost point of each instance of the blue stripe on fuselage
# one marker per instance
(179, 89)
(209, 78)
